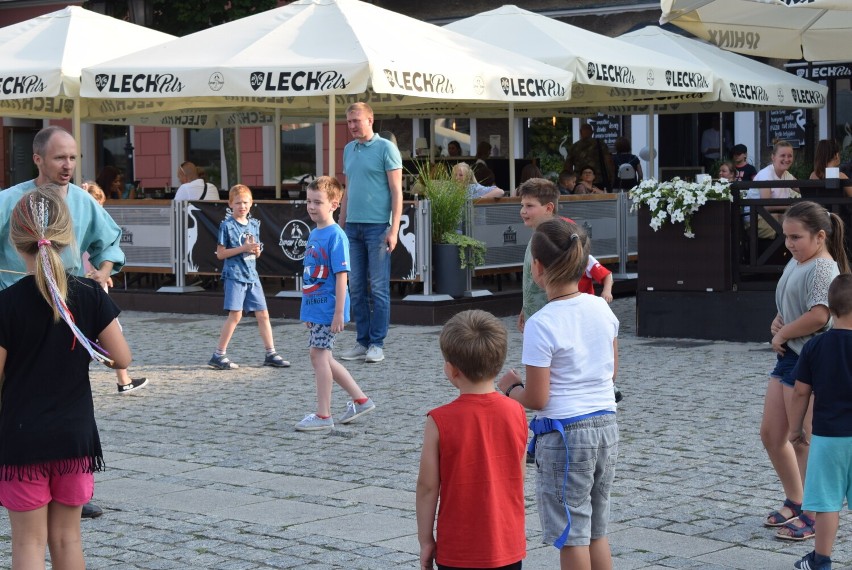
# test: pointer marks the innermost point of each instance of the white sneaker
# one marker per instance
(374, 354)
(313, 422)
(357, 352)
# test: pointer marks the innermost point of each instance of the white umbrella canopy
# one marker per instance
(816, 30)
(295, 56)
(41, 58)
(742, 83)
(605, 69)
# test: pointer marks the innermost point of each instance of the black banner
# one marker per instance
(284, 229)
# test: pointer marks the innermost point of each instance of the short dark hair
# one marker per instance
(43, 137)
(475, 342)
(622, 144)
(542, 190)
(840, 295)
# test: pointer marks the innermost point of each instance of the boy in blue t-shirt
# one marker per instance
(825, 369)
(325, 305)
(239, 246)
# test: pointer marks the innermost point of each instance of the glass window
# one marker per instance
(298, 150)
(448, 129)
(843, 114)
(110, 148)
(203, 149)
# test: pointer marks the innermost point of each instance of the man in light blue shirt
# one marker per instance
(370, 212)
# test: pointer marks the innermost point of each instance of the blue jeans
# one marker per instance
(370, 268)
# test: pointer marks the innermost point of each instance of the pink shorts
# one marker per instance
(71, 489)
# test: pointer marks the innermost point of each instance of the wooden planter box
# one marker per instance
(670, 261)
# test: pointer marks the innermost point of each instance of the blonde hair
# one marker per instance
(360, 106)
(467, 173)
(237, 189)
(562, 248)
(476, 343)
(330, 186)
(41, 226)
(95, 191)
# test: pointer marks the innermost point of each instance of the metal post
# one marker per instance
(179, 217)
(423, 233)
(621, 214)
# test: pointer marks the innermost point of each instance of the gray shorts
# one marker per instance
(321, 337)
(593, 445)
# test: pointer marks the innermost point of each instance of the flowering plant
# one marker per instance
(677, 200)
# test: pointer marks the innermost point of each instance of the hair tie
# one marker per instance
(42, 242)
(574, 236)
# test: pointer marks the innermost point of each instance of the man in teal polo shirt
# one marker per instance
(370, 212)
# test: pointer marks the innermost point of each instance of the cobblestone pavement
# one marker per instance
(205, 470)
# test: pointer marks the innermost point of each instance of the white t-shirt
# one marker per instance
(195, 189)
(574, 338)
(766, 174)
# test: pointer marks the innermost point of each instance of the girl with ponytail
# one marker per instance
(51, 326)
(571, 356)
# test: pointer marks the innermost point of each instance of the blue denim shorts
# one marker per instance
(829, 477)
(243, 296)
(593, 448)
(784, 367)
(321, 337)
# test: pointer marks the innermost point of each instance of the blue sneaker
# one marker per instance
(275, 360)
(221, 362)
(809, 562)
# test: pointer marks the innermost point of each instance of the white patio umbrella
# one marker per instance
(41, 59)
(317, 54)
(605, 69)
(816, 30)
(741, 83)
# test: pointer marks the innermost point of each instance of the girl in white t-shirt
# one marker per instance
(570, 353)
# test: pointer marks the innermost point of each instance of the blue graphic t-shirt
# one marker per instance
(327, 254)
(241, 267)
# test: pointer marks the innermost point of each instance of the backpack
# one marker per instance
(626, 177)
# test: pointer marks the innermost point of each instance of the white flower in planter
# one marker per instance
(677, 200)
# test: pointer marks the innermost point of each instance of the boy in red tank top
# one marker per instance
(473, 457)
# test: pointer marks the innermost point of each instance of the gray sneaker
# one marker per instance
(313, 422)
(354, 410)
(358, 352)
(374, 354)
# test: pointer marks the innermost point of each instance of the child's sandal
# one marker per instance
(777, 518)
(791, 531)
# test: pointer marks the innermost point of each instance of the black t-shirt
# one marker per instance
(47, 412)
(746, 173)
(826, 364)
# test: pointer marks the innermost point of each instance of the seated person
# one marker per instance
(727, 171)
(744, 171)
(566, 183)
(463, 173)
(827, 155)
(454, 148)
(480, 169)
(531, 170)
(192, 187)
(586, 183)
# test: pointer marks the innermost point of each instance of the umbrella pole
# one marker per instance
(432, 139)
(651, 153)
(511, 149)
(75, 132)
(277, 161)
(331, 138)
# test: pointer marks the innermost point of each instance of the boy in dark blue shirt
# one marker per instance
(325, 305)
(825, 369)
(239, 247)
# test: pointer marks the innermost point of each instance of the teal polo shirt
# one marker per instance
(366, 166)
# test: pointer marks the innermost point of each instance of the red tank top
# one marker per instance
(482, 439)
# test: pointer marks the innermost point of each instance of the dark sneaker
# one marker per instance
(91, 511)
(809, 562)
(276, 361)
(221, 362)
(135, 384)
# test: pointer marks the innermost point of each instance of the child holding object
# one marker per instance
(49, 442)
(239, 247)
(824, 369)
(815, 240)
(571, 357)
(473, 457)
(325, 305)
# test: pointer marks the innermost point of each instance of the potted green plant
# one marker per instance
(452, 251)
